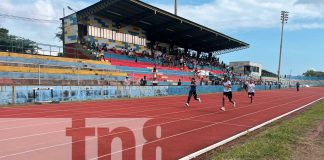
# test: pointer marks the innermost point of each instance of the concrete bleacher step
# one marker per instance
(62, 82)
(57, 63)
(125, 57)
(42, 58)
(24, 75)
(140, 68)
(76, 51)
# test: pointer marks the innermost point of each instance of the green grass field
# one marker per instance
(285, 140)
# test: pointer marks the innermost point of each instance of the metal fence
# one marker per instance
(21, 45)
(39, 73)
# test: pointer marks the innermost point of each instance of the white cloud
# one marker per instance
(222, 15)
(307, 26)
(247, 14)
(41, 9)
(44, 8)
(313, 69)
(34, 9)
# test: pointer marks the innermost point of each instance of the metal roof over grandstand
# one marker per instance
(163, 26)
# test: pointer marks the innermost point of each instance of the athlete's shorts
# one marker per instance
(251, 93)
(228, 95)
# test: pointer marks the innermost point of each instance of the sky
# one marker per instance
(256, 22)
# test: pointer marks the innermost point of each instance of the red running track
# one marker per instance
(150, 128)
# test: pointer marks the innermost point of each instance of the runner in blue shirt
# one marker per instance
(193, 92)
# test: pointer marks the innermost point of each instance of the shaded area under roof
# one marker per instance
(163, 26)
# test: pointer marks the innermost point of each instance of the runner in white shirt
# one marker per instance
(251, 90)
(227, 92)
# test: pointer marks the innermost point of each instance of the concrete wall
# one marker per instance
(26, 94)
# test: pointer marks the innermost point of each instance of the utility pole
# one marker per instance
(284, 19)
(63, 31)
(175, 7)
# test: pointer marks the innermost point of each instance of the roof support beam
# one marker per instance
(135, 18)
(181, 36)
(170, 35)
(162, 26)
(205, 41)
(95, 8)
(222, 46)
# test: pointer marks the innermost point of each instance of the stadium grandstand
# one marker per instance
(138, 38)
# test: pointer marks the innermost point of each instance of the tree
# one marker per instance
(312, 73)
(15, 44)
(3, 32)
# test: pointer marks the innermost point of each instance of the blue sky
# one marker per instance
(256, 22)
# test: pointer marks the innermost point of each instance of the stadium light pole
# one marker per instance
(71, 9)
(284, 19)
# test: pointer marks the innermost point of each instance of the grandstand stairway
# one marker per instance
(76, 51)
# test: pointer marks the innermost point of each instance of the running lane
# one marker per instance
(150, 128)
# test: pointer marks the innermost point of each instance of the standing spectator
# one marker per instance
(196, 72)
(154, 73)
(245, 85)
(201, 81)
(97, 47)
(143, 81)
(181, 63)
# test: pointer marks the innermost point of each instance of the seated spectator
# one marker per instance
(123, 51)
(101, 54)
(130, 54)
(165, 57)
(179, 82)
(126, 81)
(141, 82)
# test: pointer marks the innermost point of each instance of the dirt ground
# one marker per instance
(310, 147)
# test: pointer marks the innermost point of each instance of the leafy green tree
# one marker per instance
(312, 73)
(16, 44)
